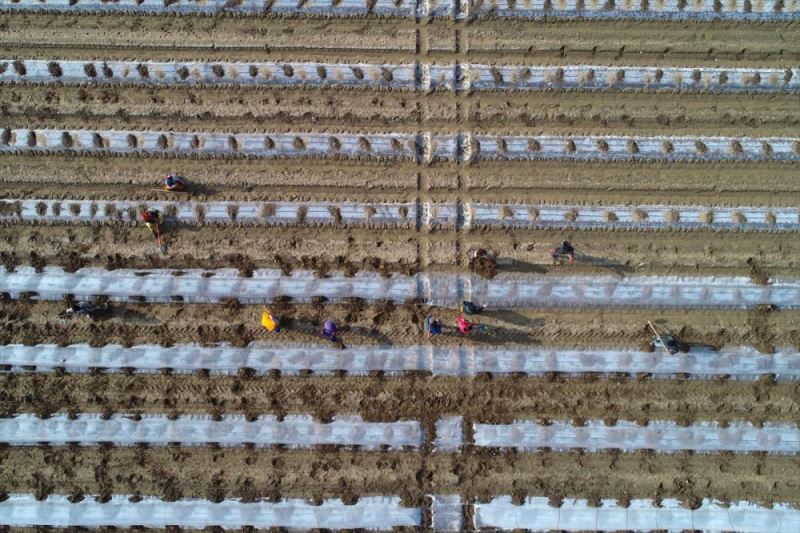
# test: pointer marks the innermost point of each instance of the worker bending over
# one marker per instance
(564, 249)
(153, 219)
(174, 183)
(270, 322)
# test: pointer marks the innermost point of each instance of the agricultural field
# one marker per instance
(344, 158)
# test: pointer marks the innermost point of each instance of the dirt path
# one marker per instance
(631, 42)
(33, 323)
(760, 183)
(222, 175)
(239, 109)
(122, 245)
(203, 472)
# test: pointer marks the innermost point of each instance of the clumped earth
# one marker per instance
(250, 473)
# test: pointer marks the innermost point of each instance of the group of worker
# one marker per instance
(153, 219)
(431, 325)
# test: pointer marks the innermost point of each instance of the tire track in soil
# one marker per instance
(49, 188)
(556, 42)
(534, 112)
(740, 183)
(31, 323)
(497, 400)
(249, 474)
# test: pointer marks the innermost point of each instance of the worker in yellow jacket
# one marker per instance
(269, 322)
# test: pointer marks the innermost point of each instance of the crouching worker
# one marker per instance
(153, 219)
(464, 326)
(174, 183)
(83, 309)
(432, 326)
(329, 330)
(270, 323)
(471, 308)
(564, 249)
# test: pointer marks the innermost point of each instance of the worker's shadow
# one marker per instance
(616, 267)
(493, 335)
(500, 335)
(354, 333)
(132, 316)
(514, 318)
(197, 189)
(523, 266)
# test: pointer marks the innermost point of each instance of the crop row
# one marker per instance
(291, 359)
(446, 514)
(457, 215)
(420, 147)
(459, 9)
(301, 431)
(517, 290)
(421, 76)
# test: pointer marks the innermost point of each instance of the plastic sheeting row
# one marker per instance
(421, 147)
(301, 431)
(462, 216)
(535, 514)
(423, 76)
(385, 513)
(698, 363)
(297, 431)
(269, 213)
(661, 436)
(447, 289)
(459, 9)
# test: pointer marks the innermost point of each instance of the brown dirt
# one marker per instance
(31, 322)
(232, 109)
(272, 473)
(249, 38)
(264, 473)
(498, 400)
(764, 183)
(216, 175)
(124, 245)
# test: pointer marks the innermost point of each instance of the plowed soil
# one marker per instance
(245, 38)
(497, 401)
(622, 252)
(30, 322)
(602, 112)
(250, 473)
(247, 474)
